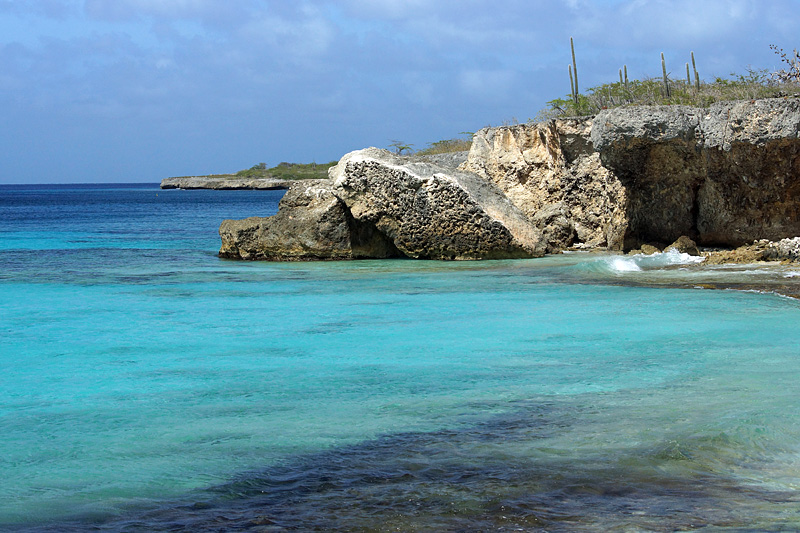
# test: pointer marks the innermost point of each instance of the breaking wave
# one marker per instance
(622, 264)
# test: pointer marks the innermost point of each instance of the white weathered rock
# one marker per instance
(431, 212)
(552, 173)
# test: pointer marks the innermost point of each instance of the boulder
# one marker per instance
(683, 245)
(431, 212)
(311, 224)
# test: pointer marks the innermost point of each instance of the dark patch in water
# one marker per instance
(495, 476)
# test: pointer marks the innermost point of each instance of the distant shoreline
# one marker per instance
(225, 183)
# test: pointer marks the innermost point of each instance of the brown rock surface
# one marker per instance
(311, 223)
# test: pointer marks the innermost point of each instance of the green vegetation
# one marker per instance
(444, 146)
(288, 171)
(667, 90)
(284, 171)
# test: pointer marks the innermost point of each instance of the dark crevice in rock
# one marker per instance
(367, 241)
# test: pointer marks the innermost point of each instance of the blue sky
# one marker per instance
(139, 90)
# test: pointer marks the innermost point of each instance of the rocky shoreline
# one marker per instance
(225, 183)
(726, 178)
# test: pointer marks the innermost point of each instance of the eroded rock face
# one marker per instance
(724, 176)
(553, 174)
(625, 179)
(431, 212)
(312, 223)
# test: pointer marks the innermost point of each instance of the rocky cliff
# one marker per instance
(724, 176)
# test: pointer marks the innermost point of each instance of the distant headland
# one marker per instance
(257, 177)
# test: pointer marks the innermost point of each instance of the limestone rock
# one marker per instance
(645, 249)
(552, 173)
(428, 211)
(724, 176)
(784, 250)
(311, 223)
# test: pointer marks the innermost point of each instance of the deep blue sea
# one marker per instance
(147, 385)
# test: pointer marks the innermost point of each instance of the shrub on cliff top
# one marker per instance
(668, 91)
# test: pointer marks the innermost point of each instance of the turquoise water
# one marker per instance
(148, 385)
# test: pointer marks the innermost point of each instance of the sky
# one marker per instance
(140, 90)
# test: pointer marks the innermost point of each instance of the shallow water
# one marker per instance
(149, 385)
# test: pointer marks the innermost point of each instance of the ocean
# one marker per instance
(148, 385)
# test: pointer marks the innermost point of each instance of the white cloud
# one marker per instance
(488, 84)
(126, 9)
(300, 39)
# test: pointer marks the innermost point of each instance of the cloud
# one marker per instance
(221, 77)
(117, 10)
(488, 84)
(308, 34)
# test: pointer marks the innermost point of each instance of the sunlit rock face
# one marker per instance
(432, 212)
(553, 174)
(626, 178)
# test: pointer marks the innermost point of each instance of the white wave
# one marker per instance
(620, 264)
(623, 264)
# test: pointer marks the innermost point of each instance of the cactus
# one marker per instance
(572, 86)
(575, 68)
(688, 76)
(664, 72)
(625, 67)
(696, 75)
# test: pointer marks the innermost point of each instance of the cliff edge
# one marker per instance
(724, 176)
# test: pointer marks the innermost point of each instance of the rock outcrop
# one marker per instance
(225, 183)
(430, 212)
(629, 178)
(552, 172)
(379, 205)
(724, 176)
(312, 223)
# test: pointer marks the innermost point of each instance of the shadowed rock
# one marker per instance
(724, 176)
(311, 223)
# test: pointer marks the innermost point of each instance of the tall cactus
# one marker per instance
(688, 76)
(664, 73)
(572, 86)
(574, 68)
(625, 68)
(696, 75)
